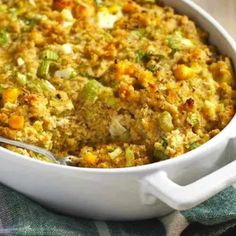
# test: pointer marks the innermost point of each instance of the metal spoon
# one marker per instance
(62, 161)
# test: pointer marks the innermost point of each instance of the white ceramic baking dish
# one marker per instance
(139, 192)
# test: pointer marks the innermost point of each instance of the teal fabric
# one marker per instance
(224, 229)
(219, 209)
(21, 216)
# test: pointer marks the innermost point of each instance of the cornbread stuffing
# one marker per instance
(113, 83)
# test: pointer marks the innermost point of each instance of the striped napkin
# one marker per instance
(21, 216)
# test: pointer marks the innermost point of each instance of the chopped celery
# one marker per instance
(164, 143)
(129, 155)
(30, 23)
(40, 85)
(108, 97)
(3, 8)
(193, 119)
(110, 148)
(68, 73)
(165, 121)
(141, 56)
(160, 155)
(125, 137)
(99, 2)
(43, 70)
(2, 88)
(152, 66)
(107, 36)
(145, 57)
(141, 32)
(4, 37)
(111, 101)
(178, 42)
(91, 91)
(46, 85)
(115, 153)
(13, 12)
(193, 146)
(49, 55)
(116, 128)
(173, 43)
(21, 78)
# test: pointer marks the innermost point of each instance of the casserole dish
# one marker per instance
(133, 193)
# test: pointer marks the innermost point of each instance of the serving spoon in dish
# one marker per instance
(42, 151)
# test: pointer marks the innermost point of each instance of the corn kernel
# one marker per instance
(146, 78)
(103, 9)
(114, 9)
(210, 110)
(183, 72)
(10, 95)
(90, 158)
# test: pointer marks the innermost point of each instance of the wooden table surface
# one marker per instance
(223, 10)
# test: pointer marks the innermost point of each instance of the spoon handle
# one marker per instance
(29, 147)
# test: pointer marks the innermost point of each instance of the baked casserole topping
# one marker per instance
(114, 83)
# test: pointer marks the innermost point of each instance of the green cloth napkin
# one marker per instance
(21, 216)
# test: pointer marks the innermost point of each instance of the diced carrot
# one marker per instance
(126, 91)
(3, 118)
(124, 68)
(62, 4)
(16, 122)
(81, 12)
(172, 95)
(130, 7)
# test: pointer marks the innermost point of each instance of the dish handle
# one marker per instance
(159, 185)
